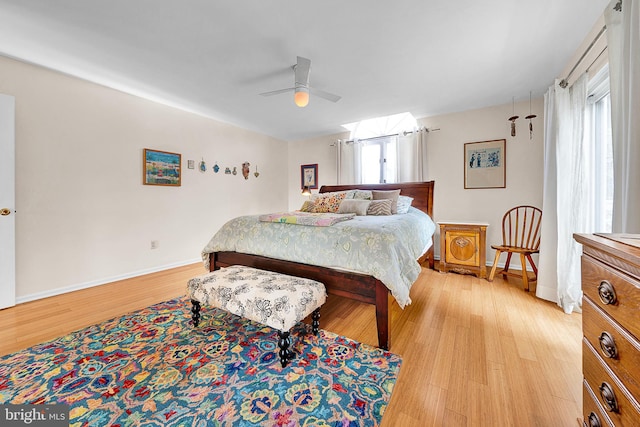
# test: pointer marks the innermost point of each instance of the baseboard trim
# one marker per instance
(85, 285)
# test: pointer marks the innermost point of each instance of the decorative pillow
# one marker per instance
(362, 194)
(331, 203)
(391, 195)
(307, 206)
(380, 207)
(403, 204)
(358, 207)
(348, 194)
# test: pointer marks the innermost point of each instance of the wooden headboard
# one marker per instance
(422, 192)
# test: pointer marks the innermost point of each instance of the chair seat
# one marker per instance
(516, 249)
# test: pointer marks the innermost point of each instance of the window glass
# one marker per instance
(601, 163)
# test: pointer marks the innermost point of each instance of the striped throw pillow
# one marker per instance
(380, 207)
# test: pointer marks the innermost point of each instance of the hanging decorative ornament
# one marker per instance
(529, 117)
(202, 166)
(245, 170)
(513, 118)
(256, 173)
(216, 168)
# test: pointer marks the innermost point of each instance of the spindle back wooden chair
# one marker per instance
(521, 235)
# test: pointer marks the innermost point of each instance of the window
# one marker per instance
(377, 141)
(601, 159)
(379, 160)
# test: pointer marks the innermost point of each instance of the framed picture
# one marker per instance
(161, 168)
(484, 164)
(309, 176)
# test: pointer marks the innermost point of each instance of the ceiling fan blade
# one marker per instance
(326, 95)
(278, 92)
(302, 70)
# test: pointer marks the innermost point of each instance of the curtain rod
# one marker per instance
(405, 133)
(565, 82)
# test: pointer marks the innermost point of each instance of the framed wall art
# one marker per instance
(161, 168)
(309, 176)
(484, 164)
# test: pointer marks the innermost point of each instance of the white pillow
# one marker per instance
(358, 207)
(403, 204)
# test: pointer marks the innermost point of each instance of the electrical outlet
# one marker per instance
(155, 244)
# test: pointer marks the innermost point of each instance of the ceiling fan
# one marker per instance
(301, 90)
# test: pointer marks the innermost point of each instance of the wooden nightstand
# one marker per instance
(463, 247)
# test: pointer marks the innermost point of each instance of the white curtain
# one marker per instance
(411, 156)
(348, 154)
(623, 39)
(566, 200)
(547, 286)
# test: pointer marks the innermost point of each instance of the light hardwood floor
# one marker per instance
(474, 353)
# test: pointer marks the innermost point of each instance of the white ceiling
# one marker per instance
(383, 57)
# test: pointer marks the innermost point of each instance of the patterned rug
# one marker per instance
(152, 368)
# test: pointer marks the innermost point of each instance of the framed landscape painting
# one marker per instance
(484, 164)
(161, 168)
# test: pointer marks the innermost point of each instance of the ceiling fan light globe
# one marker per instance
(301, 97)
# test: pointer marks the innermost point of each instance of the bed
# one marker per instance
(349, 284)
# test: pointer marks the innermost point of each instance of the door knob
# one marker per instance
(5, 211)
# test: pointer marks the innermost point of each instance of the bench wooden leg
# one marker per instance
(195, 312)
(315, 324)
(285, 353)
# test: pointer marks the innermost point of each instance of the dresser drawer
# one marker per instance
(614, 292)
(619, 350)
(592, 411)
(615, 399)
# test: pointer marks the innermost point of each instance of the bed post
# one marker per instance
(382, 315)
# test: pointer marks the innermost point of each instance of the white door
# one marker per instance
(7, 202)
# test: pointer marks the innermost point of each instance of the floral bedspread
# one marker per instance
(385, 247)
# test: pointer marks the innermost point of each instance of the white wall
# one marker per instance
(445, 152)
(83, 215)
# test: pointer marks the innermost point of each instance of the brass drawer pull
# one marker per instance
(608, 345)
(609, 397)
(594, 421)
(607, 293)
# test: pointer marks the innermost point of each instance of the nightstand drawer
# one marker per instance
(619, 350)
(614, 292)
(609, 391)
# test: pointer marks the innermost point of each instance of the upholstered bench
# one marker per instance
(273, 299)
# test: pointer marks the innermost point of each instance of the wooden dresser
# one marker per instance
(611, 329)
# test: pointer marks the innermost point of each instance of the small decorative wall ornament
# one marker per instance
(227, 171)
(191, 164)
(513, 118)
(202, 166)
(216, 168)
(235, 170)
(529, 117)
(245, 170)
(256, 173)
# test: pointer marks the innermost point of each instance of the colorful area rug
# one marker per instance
(152, 368)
